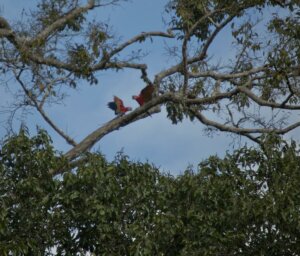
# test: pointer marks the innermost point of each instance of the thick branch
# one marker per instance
(139, 38)
(138, 113)
(123, 64)
(222, 76)
(265, 103)
(23, 45)
(111, 126)
(118, 122)
(104, 64)
(46, 32)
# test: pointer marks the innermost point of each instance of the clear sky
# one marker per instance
(171, 147)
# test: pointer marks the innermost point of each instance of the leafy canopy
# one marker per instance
(245, 204)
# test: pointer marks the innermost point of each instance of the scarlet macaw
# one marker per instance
(118, 106)
(146, 95)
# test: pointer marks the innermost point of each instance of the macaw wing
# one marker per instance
(119, 103)
(112, 105)
(147, 92)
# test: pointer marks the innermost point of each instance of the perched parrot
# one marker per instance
(118, 106)
(146, 95)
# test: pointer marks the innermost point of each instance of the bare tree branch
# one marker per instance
(242, 131)
(262, 102)
(111, 126)
(187, 91)
(118, 122)
(139, 38)
(202, 55)
(223, 76)
(24, 45)
(185, 60)
(68, 139)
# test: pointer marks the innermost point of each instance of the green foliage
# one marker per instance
(277, 46)
(188, 13)
(177, 112)
(97, 37)
(80, 57)
(245, 204)
(50, 11)
(26, 191)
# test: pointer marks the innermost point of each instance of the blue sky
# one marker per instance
(170, 147)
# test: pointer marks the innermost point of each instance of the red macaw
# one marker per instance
(146, 95)
(118, 106)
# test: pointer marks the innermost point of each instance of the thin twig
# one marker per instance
(68, 139)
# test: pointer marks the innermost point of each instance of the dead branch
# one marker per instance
(39, 108)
